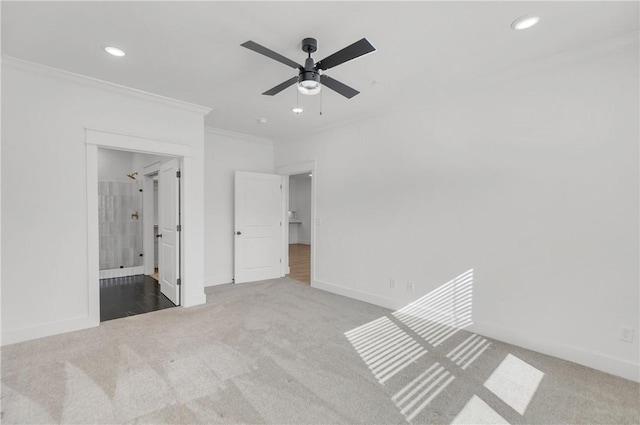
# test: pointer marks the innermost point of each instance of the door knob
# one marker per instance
(159, 235)
(238, 233)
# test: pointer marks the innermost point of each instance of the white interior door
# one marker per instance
(258, 227)
(168, 230)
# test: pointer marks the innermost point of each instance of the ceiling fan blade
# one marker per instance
(357, 49)
(277, 89)
(270, 54)
(338, 87)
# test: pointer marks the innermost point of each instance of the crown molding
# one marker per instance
(243, 136)
(35, 67)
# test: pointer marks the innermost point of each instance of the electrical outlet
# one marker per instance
(626, 334)
(392, 283)
(410, 286)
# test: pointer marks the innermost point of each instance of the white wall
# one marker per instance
(114, 165)
(44, 115)
(530, 178)
(300, 202)
(226, 153)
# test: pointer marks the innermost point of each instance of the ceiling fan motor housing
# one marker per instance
(309, 73)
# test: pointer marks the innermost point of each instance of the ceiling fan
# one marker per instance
(310, 78)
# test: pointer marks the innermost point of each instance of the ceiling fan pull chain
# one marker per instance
(320, 102)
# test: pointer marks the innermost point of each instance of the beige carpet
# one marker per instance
(279, 352)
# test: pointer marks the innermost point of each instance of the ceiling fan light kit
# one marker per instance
(310, 78)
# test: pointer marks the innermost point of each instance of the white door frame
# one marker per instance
(94, 139)
(289, 170)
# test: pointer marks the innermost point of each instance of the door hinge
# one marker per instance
(178, 174)
(280, 186)
(179, 227)
(280, 223)
(281, 260)
(179, 282)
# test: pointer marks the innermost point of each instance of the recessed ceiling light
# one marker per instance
(297, 111)
(262, 120)
(524, 22)
(115, 51)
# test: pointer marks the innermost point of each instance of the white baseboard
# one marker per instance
(127, 271)
(218, 281)
(48, 329)
(599, 361)
(357, 295)
(194, 300)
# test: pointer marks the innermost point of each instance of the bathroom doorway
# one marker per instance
(128, 221)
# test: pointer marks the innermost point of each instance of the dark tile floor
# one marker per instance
(130, 295)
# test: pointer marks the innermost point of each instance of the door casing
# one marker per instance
(98, 138)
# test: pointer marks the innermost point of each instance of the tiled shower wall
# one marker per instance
(120, 233)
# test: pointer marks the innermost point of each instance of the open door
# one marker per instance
(169, 230)
(258, 227)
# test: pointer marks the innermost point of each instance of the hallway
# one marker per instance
(299, 262)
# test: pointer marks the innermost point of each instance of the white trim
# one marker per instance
(358, 295)
(243, 136)
(592, 359)
(101, 84)
(93, 242)
(284, 226)
(297, 168)
(126, 271)
(118, 140)
(135, 142)
(51, 328)
(192, 252)
(219, 281)
(152, 169)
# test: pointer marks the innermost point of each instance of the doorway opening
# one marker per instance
(306, 202)
(299, 218)
(129, 217)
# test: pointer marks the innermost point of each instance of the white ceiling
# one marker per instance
(191, 50)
